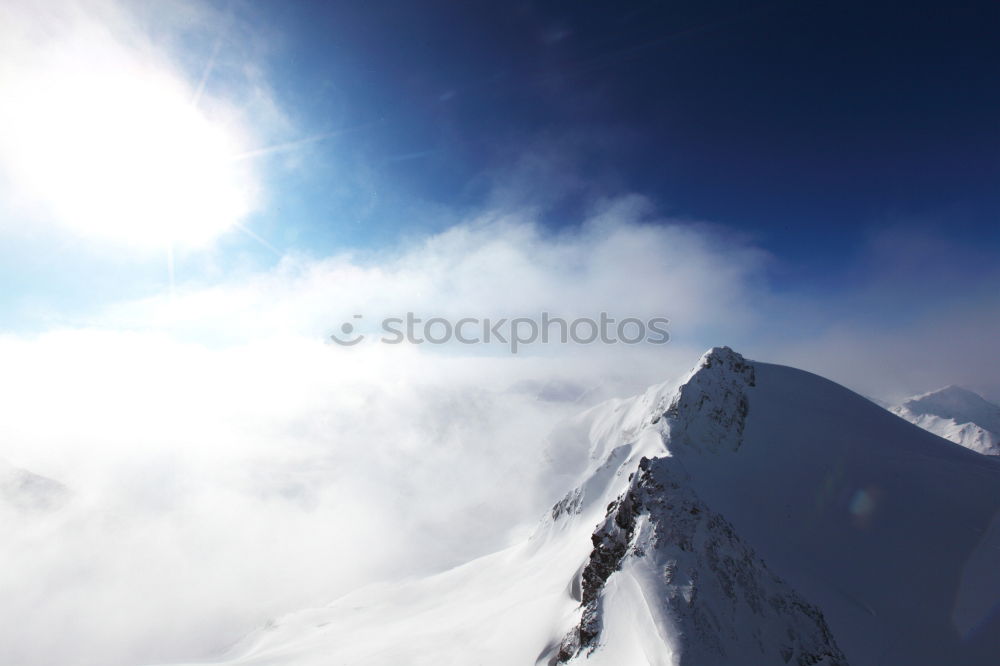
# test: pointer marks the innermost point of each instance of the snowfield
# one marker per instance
(746, 514)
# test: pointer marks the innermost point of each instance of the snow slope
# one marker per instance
(891, 531)
(747, 514)
(671, 582)
(956, 414)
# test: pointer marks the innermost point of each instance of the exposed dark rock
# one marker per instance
(714, 587)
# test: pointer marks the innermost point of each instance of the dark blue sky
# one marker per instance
(806, 124)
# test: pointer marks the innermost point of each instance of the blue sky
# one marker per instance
(804, 123)
(852, 146)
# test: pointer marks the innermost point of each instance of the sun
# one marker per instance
(114, 146)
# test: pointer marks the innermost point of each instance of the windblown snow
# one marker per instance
(746, 514)
(956, 414)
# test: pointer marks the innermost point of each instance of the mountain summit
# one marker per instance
(747, 514)
(956, 414)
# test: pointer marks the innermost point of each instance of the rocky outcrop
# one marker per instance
(709, 410)
(725, 606)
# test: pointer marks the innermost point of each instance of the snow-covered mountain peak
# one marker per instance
(955, 402)
(704, 411)
(725, 356)
(957, 414)
(709, 410)
(746, 514)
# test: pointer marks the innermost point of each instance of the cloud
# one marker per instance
(228, 464)
(622, 259)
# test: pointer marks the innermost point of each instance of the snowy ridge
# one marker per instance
(713, 600)
(703, 412)
(958, 415)
(709, 599)
(746, 514)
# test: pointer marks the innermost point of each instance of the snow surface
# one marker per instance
(878, 522)
(822, 525)
(670, 577)
(956, 414)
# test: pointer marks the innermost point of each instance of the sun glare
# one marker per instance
(114, 147)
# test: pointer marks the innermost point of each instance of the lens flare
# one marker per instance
(113, 146)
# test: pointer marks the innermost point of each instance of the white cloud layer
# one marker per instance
(228, 464)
